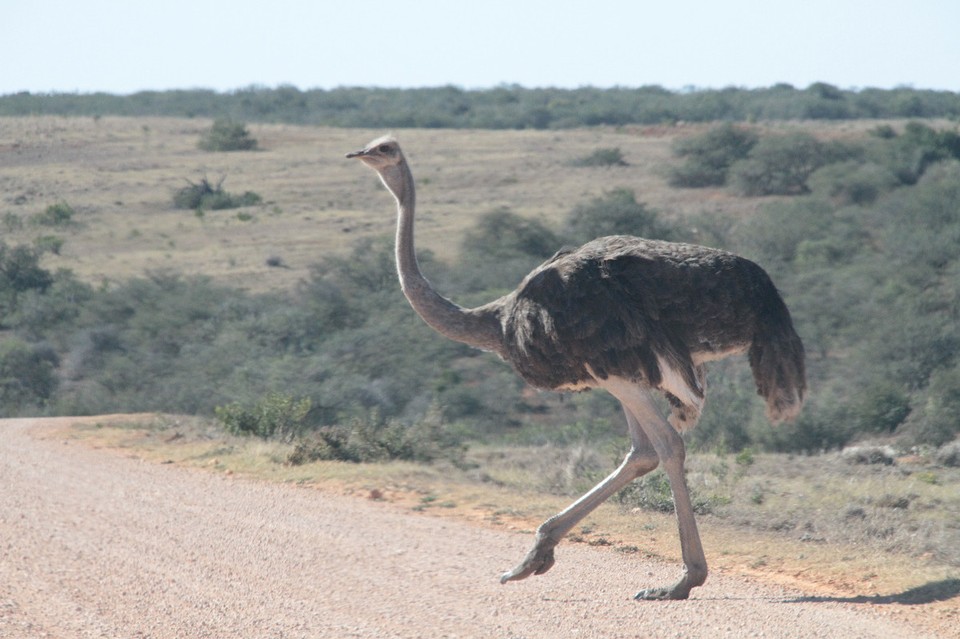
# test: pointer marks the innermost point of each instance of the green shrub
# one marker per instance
(710, 156)
(650, 492)
(745, 458)
(277, 415)
(883, 131)
(503, 234)
(949, 454)
(879, 408)
(615, 213)
(51, 312)
(20, 272)
(206, 196)
(911, 153)
(227, 135)
(653, 492)
(602, 157)
(853, 182)
(27, 375)
(778, 165)
(503, 247)
(372, 440)
(59, 214)
(936, 418)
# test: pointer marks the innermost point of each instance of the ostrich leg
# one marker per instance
(641, 459)
(669, 447)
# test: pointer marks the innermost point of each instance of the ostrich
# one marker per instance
(630, 316)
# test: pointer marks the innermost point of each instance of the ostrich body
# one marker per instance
(628, 315)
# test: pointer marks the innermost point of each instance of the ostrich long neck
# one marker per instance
(476, 327)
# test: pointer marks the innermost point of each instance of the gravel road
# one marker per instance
(97, 544)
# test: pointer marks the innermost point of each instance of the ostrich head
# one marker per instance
(384, 156)
(380, 154)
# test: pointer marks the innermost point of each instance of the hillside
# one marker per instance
(179, 310)
(120, 174)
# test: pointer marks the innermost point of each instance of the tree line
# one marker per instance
(502, 107)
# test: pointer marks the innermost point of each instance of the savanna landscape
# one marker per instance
(264, 333)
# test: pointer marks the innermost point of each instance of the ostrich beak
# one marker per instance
(356, 154)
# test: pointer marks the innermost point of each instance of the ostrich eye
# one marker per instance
(384, 148)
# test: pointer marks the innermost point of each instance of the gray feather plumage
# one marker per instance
(619, 305)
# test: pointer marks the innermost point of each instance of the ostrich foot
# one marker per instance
(660, 594)
(679, 591)
(538, 561)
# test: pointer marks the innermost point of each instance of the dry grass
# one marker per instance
(120, 174)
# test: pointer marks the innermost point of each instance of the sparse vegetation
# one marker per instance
(59, 214)
(12, 222)
(204, 195)
(371, 440)
(277, 415)
(49, 244)
(602, 157)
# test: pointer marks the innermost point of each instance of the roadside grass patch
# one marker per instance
(767, 540)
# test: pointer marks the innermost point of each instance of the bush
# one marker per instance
(778, 165)
(602, 157)
(20, 272)
(615, 213)
(227, 135)
(206, 196)
(373, 440)
(51, 311)
(869, 454)
(650, 492)
(936, 418)
(502, 234)
(949, 454)
(710, 156)
(277, 415)
(879, 408)
(503, 247)
(653, 492)
(852, 182)
(27, 375)
(910, 154)
(59, 214)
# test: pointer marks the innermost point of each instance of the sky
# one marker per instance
(125, 46)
